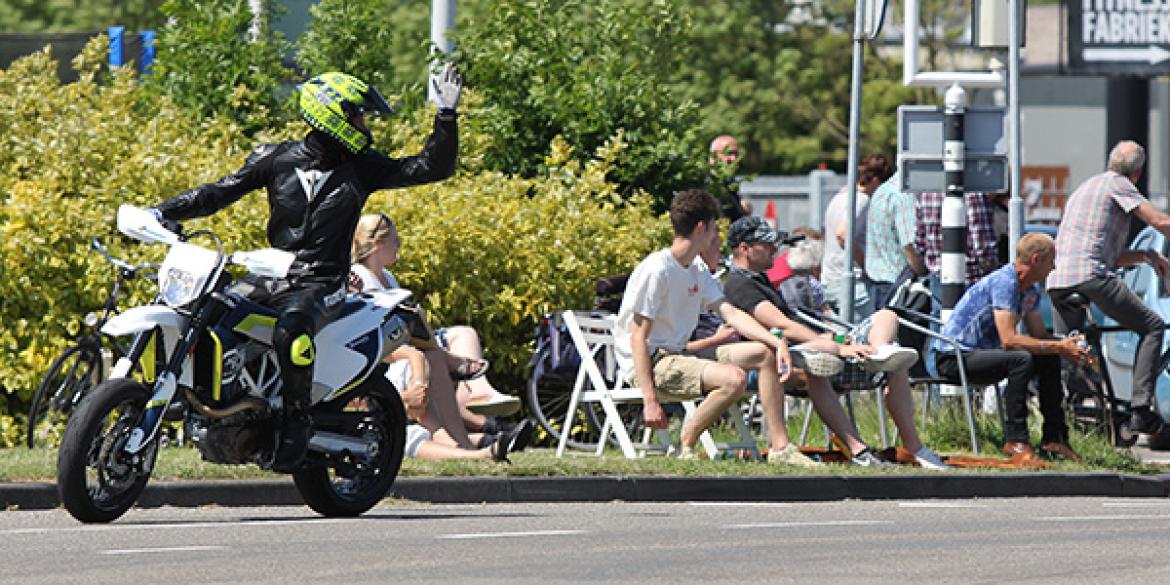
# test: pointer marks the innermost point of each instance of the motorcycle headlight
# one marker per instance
(179, 287)
(184, 272)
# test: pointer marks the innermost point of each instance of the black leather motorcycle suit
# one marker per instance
(316, 192)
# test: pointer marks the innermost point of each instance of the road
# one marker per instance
(1072, 540)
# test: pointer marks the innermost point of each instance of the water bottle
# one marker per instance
(1083, 345)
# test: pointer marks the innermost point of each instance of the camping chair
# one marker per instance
(851, 379)
(593, 336)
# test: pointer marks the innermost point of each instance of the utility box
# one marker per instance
(920, 149)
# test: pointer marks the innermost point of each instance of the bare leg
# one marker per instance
(884, 329)
(442, 407)
(723, 385)
(441, 436)
(757, 356)
(435, 450)
(901, 405)
(828, 406)
(464, 342)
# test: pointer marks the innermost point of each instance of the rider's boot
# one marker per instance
(294, 439)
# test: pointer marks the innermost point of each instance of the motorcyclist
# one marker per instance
(317, 188)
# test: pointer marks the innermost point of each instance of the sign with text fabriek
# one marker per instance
(1119, 37)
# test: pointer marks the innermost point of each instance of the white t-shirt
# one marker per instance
(370, 280)
(833, 266)
(671, 296)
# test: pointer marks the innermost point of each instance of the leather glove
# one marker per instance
(446, 86)
(170, 224)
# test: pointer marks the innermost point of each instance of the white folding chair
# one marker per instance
(593, 336)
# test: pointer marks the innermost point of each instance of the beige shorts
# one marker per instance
(679, 376)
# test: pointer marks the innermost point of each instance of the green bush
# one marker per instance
(483, 248)
(209, 60)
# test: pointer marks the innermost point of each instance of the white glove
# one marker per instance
(446, 87)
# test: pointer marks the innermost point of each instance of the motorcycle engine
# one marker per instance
(233, 440)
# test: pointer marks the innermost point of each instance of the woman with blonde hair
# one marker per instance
(457, 359)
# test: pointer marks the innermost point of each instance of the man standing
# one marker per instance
(724, 160)
(753, 244)
(984, 324)
(1091, 244)
(659, 311)
(836, 263)
(889, 244)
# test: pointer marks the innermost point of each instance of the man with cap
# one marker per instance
(659, 310)
(753, 245)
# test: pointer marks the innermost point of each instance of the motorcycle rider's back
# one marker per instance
(317, 188)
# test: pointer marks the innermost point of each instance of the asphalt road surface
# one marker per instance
(1072, 540)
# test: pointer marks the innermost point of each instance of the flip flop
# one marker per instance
(470, 369)
(501, 405)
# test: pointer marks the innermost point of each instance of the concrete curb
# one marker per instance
(450, 490)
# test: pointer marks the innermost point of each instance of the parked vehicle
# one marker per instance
(219, 368)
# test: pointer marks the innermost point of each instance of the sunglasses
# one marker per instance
(383, 220)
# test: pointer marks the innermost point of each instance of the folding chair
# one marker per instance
(593, 337)
(846, 382)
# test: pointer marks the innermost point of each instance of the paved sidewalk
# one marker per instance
(32, 496)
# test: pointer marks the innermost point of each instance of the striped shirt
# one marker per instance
(982, 256)
(1094, 229)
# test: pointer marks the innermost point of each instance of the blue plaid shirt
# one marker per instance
(973, 322)
(890, 227)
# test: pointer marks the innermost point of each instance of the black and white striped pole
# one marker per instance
(953, 273)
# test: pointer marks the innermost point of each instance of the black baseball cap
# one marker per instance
(750, 229)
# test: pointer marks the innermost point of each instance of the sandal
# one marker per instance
(470, 369)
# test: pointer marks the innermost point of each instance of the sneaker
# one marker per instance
(816, 363)
(1145, 420)
(498, 405)
(869, 458)
(891, 358)
(928, 459)
(791, 455)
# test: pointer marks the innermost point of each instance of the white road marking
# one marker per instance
(1101, 518)
(168, 549)
(476, 535)
(810, 524)
(939, 505)
(741, 504)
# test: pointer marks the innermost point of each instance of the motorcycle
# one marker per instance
(208, 351)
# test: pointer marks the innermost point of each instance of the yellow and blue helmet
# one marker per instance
(329, 100)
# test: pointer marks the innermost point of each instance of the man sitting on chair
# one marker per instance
(659, 310)
(753, 245)
(984, 324)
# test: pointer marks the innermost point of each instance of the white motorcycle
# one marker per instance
(207, 352)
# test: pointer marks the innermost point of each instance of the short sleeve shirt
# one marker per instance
(671, 296)
(1093, 229)
(972, 323)
(890, 229)
(747, 289)
(834, 266)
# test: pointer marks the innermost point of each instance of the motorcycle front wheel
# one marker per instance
(96, 479)
(351, 485)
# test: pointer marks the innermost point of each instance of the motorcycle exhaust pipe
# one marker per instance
(340, 445)
(246, 404)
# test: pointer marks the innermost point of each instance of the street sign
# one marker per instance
(1113, 37)
(920, 149)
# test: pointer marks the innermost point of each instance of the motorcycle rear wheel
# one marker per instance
(96, 481)
(331, 491)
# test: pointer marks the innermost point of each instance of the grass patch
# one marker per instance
(945, 431)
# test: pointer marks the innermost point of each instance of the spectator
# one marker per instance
(889, 243)
(1091, 244)
(982, 257)
(835, 268)
(658, 313)
(803, 288)
(985, 325)
(753, 244)
(724, 160)
(376, 245)
(780, 268)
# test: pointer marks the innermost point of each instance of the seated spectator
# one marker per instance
(753, 243)
(658, 312)
(984, 324)
(803, 287)
(410, 372)
(376, 245)
(780, 268)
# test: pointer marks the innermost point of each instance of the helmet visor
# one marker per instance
(373, 103)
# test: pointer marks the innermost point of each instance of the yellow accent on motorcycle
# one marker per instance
(301, 353)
